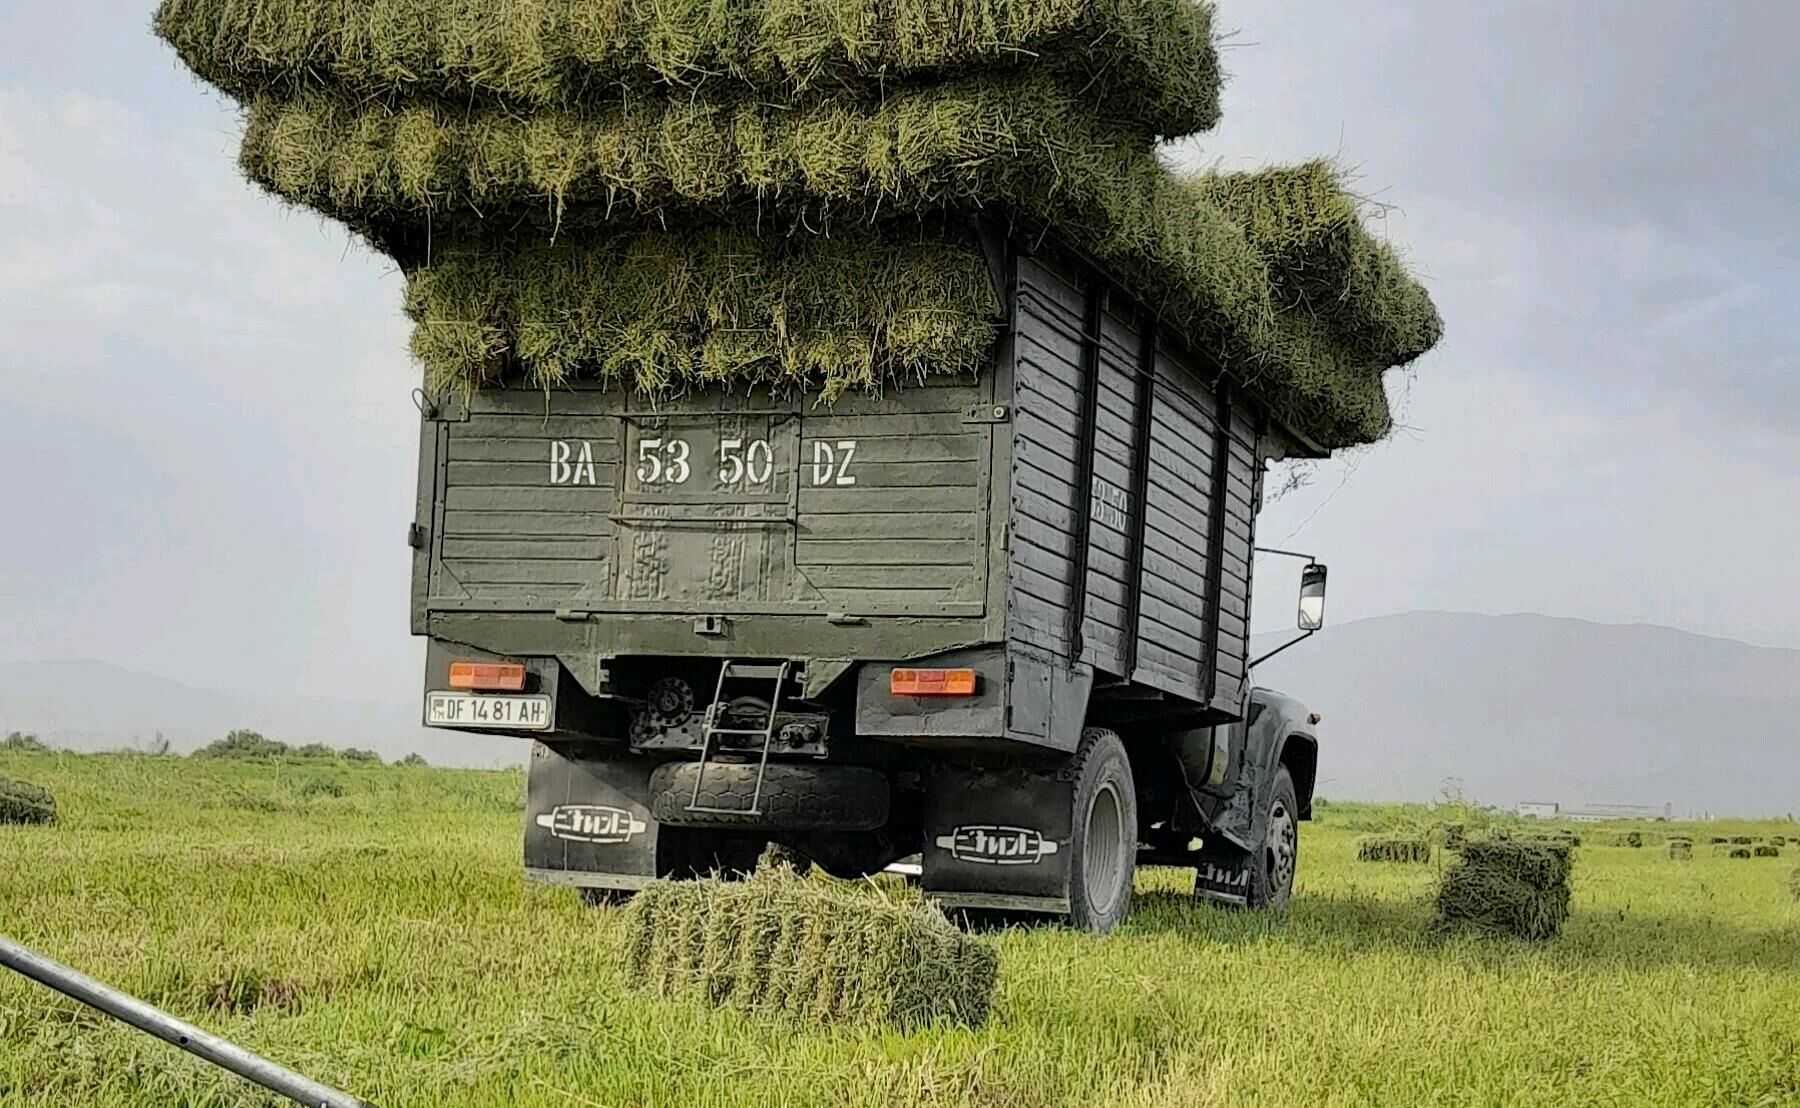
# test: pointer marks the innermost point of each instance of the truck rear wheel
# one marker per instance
(1104, 833)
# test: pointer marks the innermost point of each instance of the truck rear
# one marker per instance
(1000, 622)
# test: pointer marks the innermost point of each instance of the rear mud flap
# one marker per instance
(997, 839)
(587, 818)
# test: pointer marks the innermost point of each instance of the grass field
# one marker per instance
(369, 925)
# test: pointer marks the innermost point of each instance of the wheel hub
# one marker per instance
(1103, 849)
(1283, 847)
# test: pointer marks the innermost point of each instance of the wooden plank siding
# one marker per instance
(1170, 612)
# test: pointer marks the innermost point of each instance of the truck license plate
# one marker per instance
(523, 713)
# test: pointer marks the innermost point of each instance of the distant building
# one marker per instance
(1592, 813)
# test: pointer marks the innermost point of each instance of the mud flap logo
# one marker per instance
(1223, 883)
(997, 846)
(591, 823)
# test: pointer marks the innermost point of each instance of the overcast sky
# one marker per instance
(207, 442)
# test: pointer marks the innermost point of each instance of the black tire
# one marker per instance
(794, 797)
(1273, 867)
(1103, 839)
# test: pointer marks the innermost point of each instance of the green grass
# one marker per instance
(383, 940)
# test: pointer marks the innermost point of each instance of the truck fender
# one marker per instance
(1280, 730)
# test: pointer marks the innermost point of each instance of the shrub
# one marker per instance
(20, 743)
(244, 744)
(414, 759)
(352, 754)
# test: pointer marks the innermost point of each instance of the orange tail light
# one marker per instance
(932, 682)
(487, 676)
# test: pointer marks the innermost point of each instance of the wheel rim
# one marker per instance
(1283, 848)
(1103, 860)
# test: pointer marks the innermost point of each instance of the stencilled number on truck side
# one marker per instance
(831, 462)
(740, 462)
(663, 462)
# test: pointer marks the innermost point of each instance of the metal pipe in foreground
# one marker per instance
(154, 1021)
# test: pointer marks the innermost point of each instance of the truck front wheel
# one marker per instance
(1272, 870)
(1104, 836)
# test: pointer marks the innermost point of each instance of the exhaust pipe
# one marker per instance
(154, 1021)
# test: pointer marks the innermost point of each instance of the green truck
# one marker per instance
(1000, 623)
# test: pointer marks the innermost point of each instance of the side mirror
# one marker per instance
(1312, 597)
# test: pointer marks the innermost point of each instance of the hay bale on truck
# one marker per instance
(839, 427)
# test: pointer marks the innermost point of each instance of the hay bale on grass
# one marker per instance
(1794, 883)
(1742, 840)
(1778, 840)
(1151, 64)
(1393, 849)
(25, 803)
(1507, 887)
(1739, 852)
(1766, 850)
(817, 951)
(1680, 849)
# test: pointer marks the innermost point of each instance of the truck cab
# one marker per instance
(1000, 622)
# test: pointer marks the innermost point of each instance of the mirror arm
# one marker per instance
(1295, 641)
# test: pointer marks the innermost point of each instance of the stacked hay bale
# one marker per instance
(1507, 887)
(1681, 848)
(1395, 848)
(813, 950)
(669, 195)
(24, 803)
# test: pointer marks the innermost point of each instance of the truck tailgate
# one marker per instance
(717, 503)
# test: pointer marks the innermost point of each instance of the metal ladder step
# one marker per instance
(777, 675)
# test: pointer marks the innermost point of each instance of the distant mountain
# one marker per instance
(96, 706)
(1529, 707)
(1508, 707)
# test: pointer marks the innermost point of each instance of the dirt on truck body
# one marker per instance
(1000, 622)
